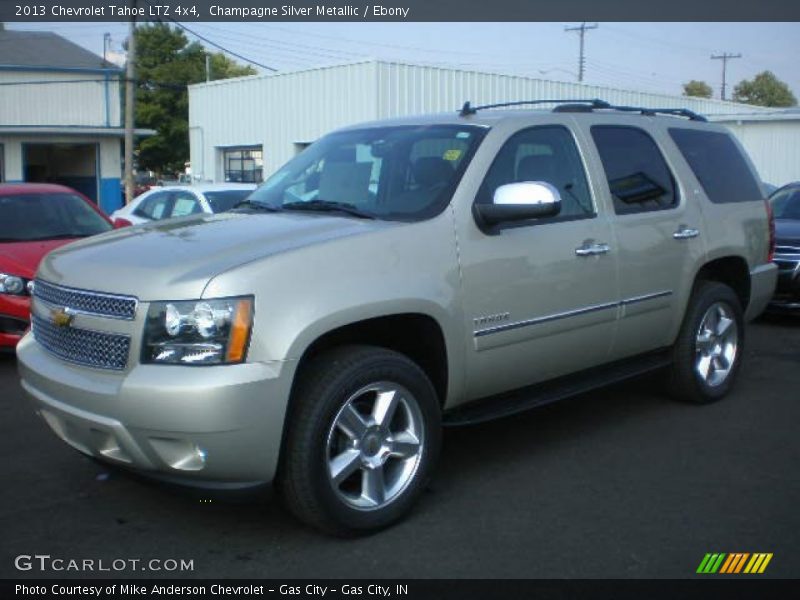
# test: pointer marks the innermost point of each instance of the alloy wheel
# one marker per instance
(374, 445)
(716, 344)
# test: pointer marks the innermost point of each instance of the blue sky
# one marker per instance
(656, 57)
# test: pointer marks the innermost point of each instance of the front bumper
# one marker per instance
(210, 425)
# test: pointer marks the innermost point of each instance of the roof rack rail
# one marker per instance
(650, 112)
(584, 105)
(468, 109)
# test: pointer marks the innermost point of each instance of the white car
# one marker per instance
(181, 200)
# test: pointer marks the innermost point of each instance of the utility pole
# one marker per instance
(724, 57)
(106, 44)
(130, 87)
(582, 29)
(208, 67)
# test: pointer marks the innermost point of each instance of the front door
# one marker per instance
(541, 296)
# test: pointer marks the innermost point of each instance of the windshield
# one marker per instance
(786, 203)
(47, 216)
(402, 173)
(223, 200)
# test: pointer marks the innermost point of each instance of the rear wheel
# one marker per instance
(362, 440)
(707, 354)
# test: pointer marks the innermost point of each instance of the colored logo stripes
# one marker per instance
(736, 562)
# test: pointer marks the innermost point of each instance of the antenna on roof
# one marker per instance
(467, 109)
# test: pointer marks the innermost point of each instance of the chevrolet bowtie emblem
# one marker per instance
(62, 317)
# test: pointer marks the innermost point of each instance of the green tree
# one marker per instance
(165, 64)
(764, 90)
(698, 89)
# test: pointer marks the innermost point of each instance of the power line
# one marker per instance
(363, 42)
(581, 29)
(724, 57)
(218, 46)
(283, 52)
(633, 74)
(261, 39)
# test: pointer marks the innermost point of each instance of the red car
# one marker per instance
(36, 218)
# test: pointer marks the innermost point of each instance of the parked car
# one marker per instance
(786, 208)
(769, 188)
(35, 219)
(180, 200)
(396, 276)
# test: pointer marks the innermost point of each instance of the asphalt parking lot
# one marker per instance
(617, 483)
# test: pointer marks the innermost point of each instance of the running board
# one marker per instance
(511, 403)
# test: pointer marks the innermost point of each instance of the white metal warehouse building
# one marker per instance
(243, 129)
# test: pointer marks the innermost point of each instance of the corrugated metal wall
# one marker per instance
(774, 147)
(278, 111)
(73, 102)
(410, 89)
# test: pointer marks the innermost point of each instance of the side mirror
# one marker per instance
(519, 202)
(119, 223)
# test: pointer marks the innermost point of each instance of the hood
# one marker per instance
(174, 259)
(22, 258)
(787, 232)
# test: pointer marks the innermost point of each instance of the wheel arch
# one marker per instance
(416, 335)
(731, 271)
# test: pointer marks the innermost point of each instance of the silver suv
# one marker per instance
(397, 276)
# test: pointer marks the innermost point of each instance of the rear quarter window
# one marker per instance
(718, 164)
(638, 176)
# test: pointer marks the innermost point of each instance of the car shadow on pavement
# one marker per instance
(781, 318)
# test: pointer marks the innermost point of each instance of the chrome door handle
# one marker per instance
(685, 233)
(592, 249)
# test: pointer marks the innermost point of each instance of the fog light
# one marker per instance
(180, 454)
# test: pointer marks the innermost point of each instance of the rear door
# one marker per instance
(658, 233)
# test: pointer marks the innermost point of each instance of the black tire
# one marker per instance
(325, 386)
(685, 382)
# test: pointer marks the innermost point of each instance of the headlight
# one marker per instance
(11, 284)
(198, 332)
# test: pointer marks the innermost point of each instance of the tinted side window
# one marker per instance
(185, 203)
(718, 165)
(154, 207)
(544, 154)
(638, 176)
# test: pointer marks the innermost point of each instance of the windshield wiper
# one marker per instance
(255, 205)
(329, 206)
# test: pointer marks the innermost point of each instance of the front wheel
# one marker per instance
(362, 439)
(708, 352)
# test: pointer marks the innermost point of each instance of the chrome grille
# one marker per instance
(81, 346)
(93, 303)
